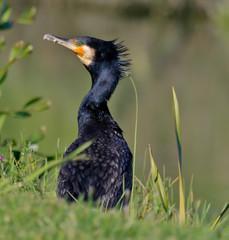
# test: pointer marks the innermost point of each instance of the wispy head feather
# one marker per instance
(121, 57)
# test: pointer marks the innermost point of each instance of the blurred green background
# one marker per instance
(184, 43)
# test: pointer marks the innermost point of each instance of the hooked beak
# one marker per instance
(68, 43)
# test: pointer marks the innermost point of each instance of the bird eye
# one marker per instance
(79, 43)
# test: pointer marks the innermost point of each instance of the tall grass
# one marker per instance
(154, 195)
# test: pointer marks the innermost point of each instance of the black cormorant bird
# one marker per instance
(109, 168)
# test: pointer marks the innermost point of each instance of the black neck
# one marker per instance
(105, 78)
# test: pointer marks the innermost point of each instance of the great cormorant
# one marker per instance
(109, 169)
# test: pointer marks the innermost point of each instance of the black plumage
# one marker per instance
(109, 168)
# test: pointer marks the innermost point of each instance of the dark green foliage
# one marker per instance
(31, 102)
(18, 51)
(26, 17)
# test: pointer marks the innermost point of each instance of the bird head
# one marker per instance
(93, 50)
(78, 45)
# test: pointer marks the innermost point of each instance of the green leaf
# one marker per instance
(31, 102)
(6, 14)
(26, 50)
(20, 114)
(42, 107)
(3, 73)
(27, 16)
(20, 50)
(176, 115)
(2, 120)
(6, 25)
(2, 43)
(15, 50)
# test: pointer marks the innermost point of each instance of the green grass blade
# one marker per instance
(158, 182)
(31, 102)
(135, 139)
(2, 120)
(189, 205)
(80, 149)
(181, 198)
(224, 210)
(176, 115)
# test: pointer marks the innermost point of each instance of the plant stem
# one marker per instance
(135, 140)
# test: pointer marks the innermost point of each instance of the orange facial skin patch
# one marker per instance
(79, 51)
(85, 53)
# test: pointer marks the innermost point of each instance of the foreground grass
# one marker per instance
(26, 216)
(29, 208)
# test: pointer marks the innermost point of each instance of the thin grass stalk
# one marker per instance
(71, 156)
(119, 201)
(171, 196)
(11, 157)
(196, 217)
(189, 205)
(75, 199)
(145, 205)
(45, 176)
(205, 211)
(124, 195)
(135, 141)
(222, 213)
(56, 170)
(141, 184)
(144, 164)
(190, 197)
